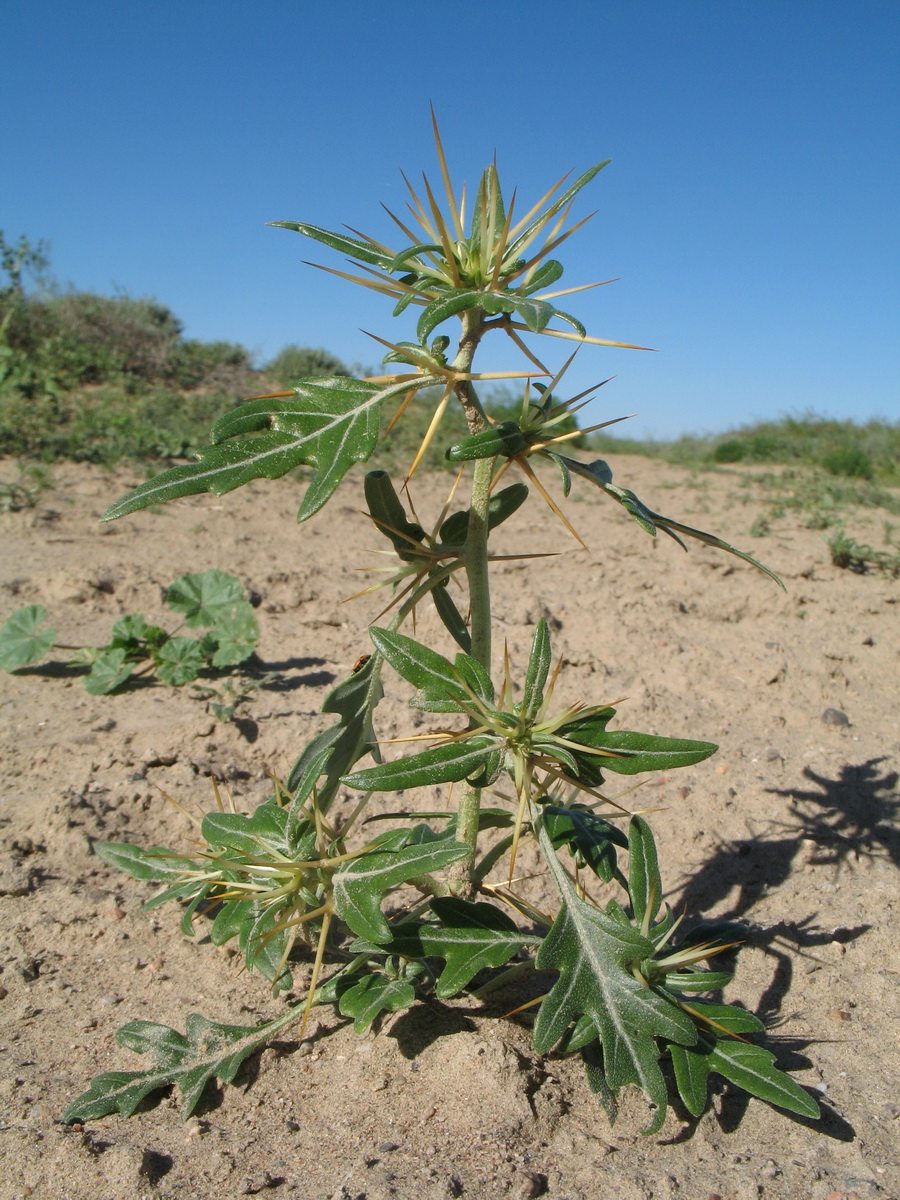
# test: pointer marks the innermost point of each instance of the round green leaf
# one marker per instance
(110, 670)
(20, 643)
(179, 661)
(205, 597)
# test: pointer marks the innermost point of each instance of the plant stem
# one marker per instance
(462, 873)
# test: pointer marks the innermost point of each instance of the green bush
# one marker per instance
(730, 451)
(302, 362)
(849, 460)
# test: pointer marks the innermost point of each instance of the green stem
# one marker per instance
(462, 873)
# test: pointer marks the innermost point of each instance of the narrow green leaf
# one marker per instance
(753, 1068)
(514, 249)
(599, 473)
(564, 473)
(20, 643)
(537, 671)
(691, 1075)
(730, 1016)
(545, 275)
(488, 211)
(636, 752)
(419, 665)
(501, 506)
(361, 884)
(443, 764)
(363, 251)
(570, 320)
(451, 618)
(445, 306)
(698, 981)
(644, 883)
(592, 1057)
(417, 251)
(153, 863)
(390, 517)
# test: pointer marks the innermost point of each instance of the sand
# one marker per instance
(792, 828)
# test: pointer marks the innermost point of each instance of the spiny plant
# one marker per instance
(212, 600)
(434, 906)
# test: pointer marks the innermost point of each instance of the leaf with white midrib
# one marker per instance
(590, 950)
(421, 666)
(329, 424)
(361, 884)
(448, 763)
(205, 1051)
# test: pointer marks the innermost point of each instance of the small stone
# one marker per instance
(293, 1126)
(387, 1147)
(834, 716)
(532, 1184)
(772, 754)
(892, 1109)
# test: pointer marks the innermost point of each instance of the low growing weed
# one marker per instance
(212, 600)
(436, 908)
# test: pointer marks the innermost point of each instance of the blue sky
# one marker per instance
(750, 210)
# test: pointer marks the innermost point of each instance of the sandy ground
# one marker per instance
(792, 828)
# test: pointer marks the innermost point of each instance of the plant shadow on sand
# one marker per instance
(852, 814)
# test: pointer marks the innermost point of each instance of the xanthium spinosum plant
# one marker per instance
(623, 985)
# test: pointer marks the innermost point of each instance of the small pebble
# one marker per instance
(533, 1184)
(834, 716)
(892, 1109)
(387, 1147)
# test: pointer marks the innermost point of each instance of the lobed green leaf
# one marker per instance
(329, 425)
(373, 995)
(20, 642)
(207, 1050)
(341, 745)
(361, 884)
(109, 671)
(592, 952)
